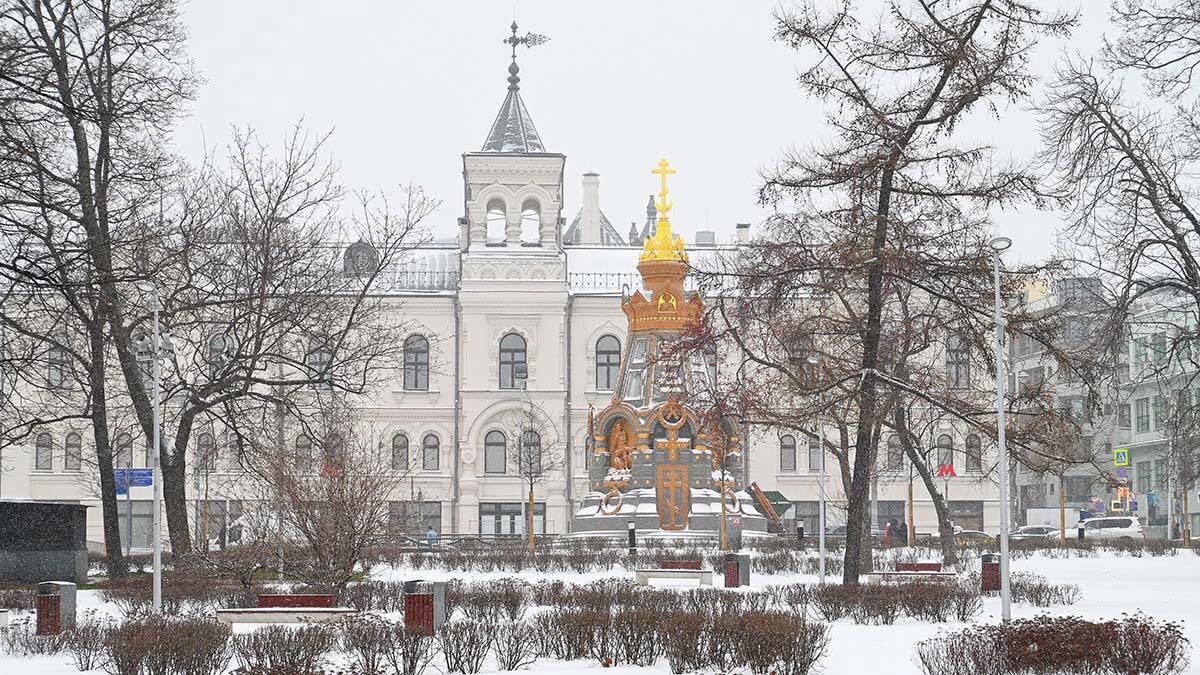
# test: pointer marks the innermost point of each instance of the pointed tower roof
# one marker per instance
(513, 129)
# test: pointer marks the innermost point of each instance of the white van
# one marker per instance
(1113, 527)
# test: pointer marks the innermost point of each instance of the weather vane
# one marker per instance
(529, 40)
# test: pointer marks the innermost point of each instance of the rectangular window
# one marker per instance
(890, 511)
(1143, 414)
(224, 522)
(814, 455)
(414, 518)
(1158, 348)
(508, 518)
(1033, 496)
(807, 514)
(787, 453)
(1143, 478)
(1160, 412)
(967, 515)
(1160, 475)
(142, 522)
(1078, 488)
(1124, 420)
(1140, 345)
(43, 453)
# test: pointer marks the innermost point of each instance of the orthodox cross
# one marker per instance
(662, 171)
(529, 40)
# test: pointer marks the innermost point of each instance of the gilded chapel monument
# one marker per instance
(657, 460)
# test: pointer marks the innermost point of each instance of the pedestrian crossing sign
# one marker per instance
(1120, 456)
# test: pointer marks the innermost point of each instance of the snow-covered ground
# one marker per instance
(1167, 588)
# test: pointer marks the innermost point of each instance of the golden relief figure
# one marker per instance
(620, 445)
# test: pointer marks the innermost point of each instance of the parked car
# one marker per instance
(1031, 533)
(972, 536)
(1110, 527)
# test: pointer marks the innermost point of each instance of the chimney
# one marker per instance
(589, 214)
(743, 233)
(706, 238)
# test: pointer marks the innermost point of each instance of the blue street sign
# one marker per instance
(127, 478)
(1133, 506)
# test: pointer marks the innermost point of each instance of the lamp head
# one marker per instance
(1000, 244)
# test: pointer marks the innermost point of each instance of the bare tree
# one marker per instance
(534, 454)
(1129, 163)
(330, 492)
(889, 207)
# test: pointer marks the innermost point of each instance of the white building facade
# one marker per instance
(519, 309)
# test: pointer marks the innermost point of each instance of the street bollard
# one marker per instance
(800, 533)
(1081, 530)
(632, 539)
(55, 607)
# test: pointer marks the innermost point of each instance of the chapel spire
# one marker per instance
(513, 130)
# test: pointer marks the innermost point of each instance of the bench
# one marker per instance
(918, 567)
(900, 577)
(295, 600)
(679, 565)
(643, 577)
(282, 614)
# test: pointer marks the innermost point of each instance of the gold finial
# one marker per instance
(663, 245)
(663, 171)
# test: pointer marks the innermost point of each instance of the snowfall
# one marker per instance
(1166, 588)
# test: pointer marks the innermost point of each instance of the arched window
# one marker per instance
(206, 452)
(430, 453)
(399, 452)
(787, 453)
(895, 452)
(497, 223)
(513, 367)
(73, 452)
(43, 453)
(958, 363)
(304, 453)
(531, 225)
(530, 461)
(318, 359)
(123, 450)
(416, 363)
(220, 354)
(608, 362)
(494, 460)
(945, 450)
(974, 453)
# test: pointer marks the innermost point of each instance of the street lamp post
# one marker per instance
(155, 464)
(812, 361)
(999, 245)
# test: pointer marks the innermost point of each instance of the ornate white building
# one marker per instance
(518, 309)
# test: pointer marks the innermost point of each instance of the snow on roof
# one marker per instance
(513, 129)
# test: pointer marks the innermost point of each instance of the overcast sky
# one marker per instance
(407, 87)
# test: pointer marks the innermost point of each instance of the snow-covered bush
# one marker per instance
(1051, 645)
(465, 645)
(280, 649)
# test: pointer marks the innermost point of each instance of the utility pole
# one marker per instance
(999, 245)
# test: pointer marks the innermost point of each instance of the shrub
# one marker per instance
(21, 639)
(834, 601)
(464, 645)
(684, 640)
(20, 598)
(86, 641)
(410, 652)
(636, 632)
(160, 646)
(283, 649)
(1035, 590)
(927, 602)
(367, 640)
(515, 645)
(782, 643)
(966, 603)
(1058, 645)
(565, 634)
(724, 641)
(876, 605)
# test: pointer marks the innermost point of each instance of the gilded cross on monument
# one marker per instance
(663, 171)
